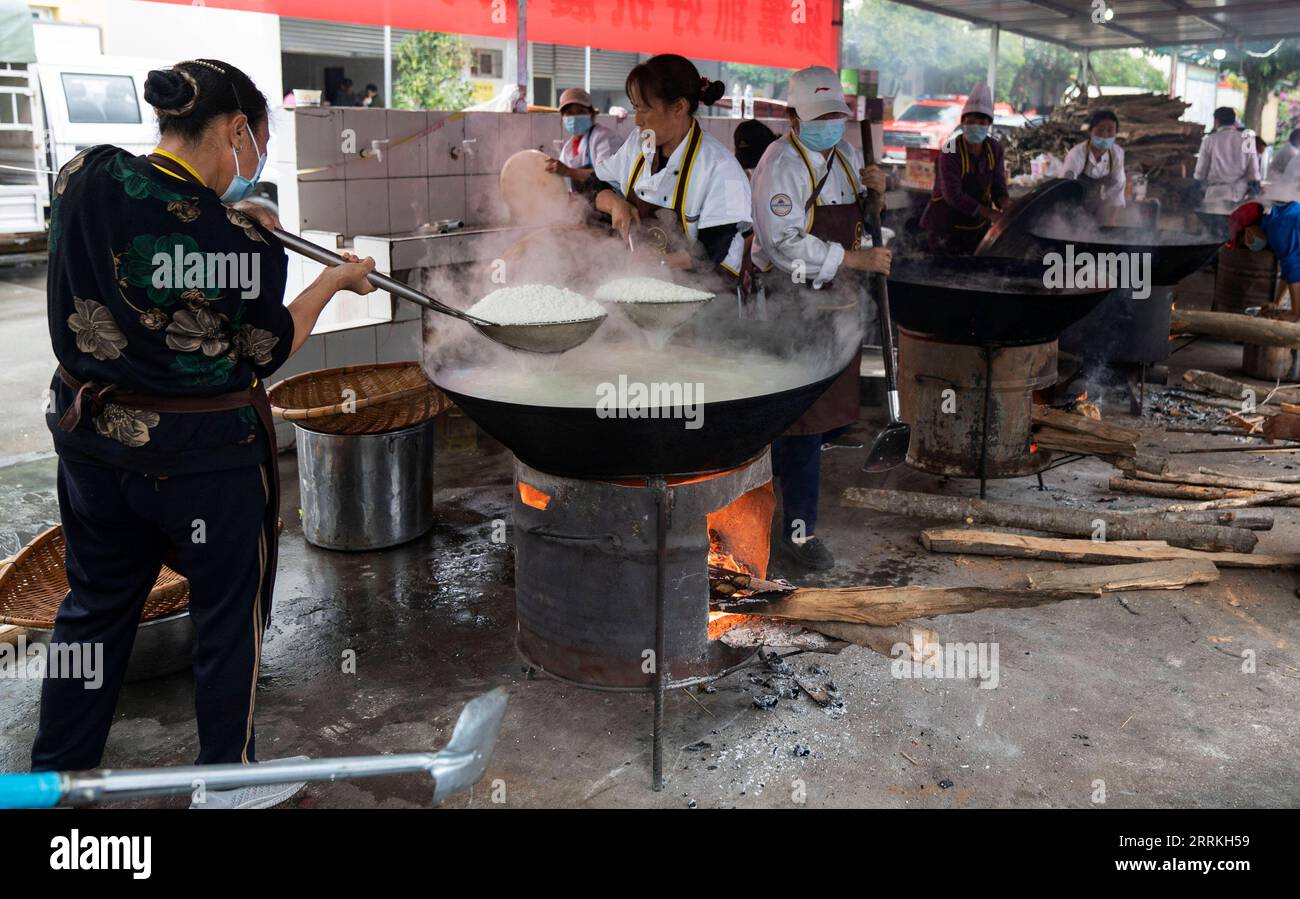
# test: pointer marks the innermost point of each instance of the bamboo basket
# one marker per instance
(359, 399)
(33, 585)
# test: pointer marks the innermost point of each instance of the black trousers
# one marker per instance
(118, 526)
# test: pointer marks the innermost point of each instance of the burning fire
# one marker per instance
(719, 557)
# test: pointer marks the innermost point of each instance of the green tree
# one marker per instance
(430, 72)
(1266, 67)
(1120, 68)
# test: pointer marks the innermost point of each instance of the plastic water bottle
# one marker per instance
(749, 101)
(736, 111)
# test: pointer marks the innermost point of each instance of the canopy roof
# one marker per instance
(1136, 23)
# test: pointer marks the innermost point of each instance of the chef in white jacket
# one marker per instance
(1227, 163)
(808, 231)
(672, 182)
(585, 141)
(1099, 159)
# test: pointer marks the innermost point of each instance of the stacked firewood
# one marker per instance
(1156, 142)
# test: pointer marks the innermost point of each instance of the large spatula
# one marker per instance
(889, 450)
(543, 337)
(458, 766)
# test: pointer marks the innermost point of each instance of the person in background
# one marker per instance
(1265, 154)
(807, 218)
(750, 140)
(585, 141)
(1099, 160)
(672, 179)
(344, 95)
(1227, 164)
(372, 98)
(1277, 169)
(165, 443)
(1277, 229)
(970, 182)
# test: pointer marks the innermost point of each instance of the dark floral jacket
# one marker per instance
(147, 277)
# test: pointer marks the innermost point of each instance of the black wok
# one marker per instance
(1174, 255)
(575, 442)
(981, 300)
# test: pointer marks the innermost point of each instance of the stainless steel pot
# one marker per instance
(365, 491)
(162, 646)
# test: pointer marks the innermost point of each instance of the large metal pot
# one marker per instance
(162, 646)
(366, 491)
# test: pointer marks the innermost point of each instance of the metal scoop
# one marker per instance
(665, 316)
(457, 766)
(542, 337)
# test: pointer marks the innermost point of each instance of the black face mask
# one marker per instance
(748, 157)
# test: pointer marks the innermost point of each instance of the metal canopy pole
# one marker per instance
(1085, 67)
(521, 65)
(1173, 72)
(586, 70)
(995, 34)
(388, 65)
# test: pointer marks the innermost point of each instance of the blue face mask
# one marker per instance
(577, 124)
(1103, 143)
(240, 187)
(1256, 246)
(821, 134)
(975, 134)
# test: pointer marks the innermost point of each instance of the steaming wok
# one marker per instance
(1174, 254)
(575, 442)
(1011, 237)
(983, 300)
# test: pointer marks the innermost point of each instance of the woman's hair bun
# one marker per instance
(171, 91)
(711, 91)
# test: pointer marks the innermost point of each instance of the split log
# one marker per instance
(1213, 480)
(1082, 424)
(1235, 326)
(883, 606)
(1173, 491)
(1075, 522)
(1237, 390)
(1074, 442)
(1000, 543)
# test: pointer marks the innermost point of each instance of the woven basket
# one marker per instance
(387, 396)
(34, 584)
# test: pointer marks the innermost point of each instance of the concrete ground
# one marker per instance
(1141, 694)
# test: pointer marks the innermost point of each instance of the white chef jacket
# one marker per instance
(783, 181)
(1080, 161)
(1226, 163)
(717, 191)
(582, 152)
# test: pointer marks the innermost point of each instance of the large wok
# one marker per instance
(575, 442)
(978, 300)
(1174, 254)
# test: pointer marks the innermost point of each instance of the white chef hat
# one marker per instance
(980, 100)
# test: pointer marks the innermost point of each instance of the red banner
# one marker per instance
(787, 34)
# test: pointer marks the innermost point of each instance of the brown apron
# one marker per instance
(839, 405)
(952, 232)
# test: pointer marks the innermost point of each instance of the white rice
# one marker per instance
(534, 304)
(648, 290)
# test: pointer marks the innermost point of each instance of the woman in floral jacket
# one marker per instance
(166, 311)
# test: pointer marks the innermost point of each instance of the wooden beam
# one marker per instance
(883, 606)
(1074, 522)
(984, 542)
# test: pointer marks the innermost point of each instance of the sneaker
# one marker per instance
(261, 796)
(811, 555)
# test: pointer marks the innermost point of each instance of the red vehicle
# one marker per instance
(927, 123)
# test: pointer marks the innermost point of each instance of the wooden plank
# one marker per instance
(882, 606)
(1074, 522)
(984, 542)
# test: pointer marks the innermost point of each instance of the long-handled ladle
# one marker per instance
(540, 337)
